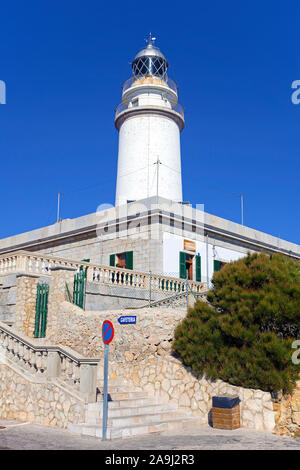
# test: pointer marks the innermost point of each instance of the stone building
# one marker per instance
(135, 255)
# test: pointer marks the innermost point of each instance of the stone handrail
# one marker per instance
(50, 361)
(33, 263)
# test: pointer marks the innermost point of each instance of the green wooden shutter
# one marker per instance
(182, 266)
(198, 268)
(217, 265)
(129, 259)
(112, 260)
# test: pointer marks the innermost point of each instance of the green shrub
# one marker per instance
(244, 335)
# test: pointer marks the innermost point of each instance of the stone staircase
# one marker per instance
(132, 413)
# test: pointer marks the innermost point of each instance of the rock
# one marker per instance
(166, 345)
(296, 417)
(165, 385)
(184, 400)
(161, 352)
(259, 422)
(247, 394)
(254, 405)
(269, 420)
(129, 356)
(154, 340)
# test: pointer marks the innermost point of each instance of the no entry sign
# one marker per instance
(107, 336)
(107, 331)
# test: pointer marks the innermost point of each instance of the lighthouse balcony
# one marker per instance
(146, 80)
(123, 111)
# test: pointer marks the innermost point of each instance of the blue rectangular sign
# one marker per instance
(127, 319)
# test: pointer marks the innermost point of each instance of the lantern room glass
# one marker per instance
(149, 66)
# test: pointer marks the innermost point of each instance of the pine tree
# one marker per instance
(244, 334)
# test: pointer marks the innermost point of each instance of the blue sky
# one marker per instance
(234, 63)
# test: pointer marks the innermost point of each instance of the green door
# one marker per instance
(41, 310)
(79, 288)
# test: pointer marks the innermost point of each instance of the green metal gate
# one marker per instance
(79, 288)
(41, 310)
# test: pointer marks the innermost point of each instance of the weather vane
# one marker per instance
(151, 39)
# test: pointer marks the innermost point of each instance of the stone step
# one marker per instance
(139, 429)
(112, 388)
(127, 394)
(111, 382)
(134, 420)
(126, 402)
(132, 416)
(94, 416)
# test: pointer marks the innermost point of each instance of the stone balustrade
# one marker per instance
(49, 361)
(32, 263)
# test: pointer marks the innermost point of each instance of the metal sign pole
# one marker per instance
(108, 332)
(149, 288)
(105, 401)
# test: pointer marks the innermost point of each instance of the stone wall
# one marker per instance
(57, 295)
(44, 402)
(141, 356)
(150, 337)
(288, 413)
(26, 304)
(147, 252)
(167, 378)
(8, 294)
(18, 300)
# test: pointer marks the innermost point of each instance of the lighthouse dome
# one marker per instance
(149, 61)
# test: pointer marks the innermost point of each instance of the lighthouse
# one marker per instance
(149, 121)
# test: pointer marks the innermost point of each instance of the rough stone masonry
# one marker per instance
(141, 355)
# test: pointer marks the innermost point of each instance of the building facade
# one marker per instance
(162, 236)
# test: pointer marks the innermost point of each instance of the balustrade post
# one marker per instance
(53, 364)
(21, 263)
(89, 274)
(88, 381)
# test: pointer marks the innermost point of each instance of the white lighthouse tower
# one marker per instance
(149, 121)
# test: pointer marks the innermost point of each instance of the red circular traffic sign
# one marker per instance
(108, 331)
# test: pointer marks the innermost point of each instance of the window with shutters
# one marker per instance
(122, 260)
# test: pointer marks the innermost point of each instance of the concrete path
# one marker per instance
(17, 435)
